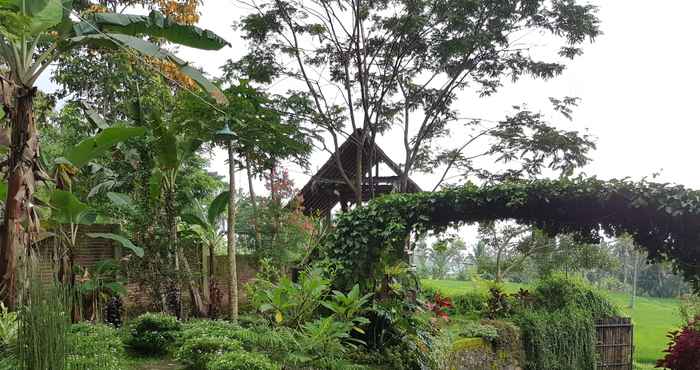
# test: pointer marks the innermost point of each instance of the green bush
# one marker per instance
(558, 333)
(195, 353)
(94, 347)
(242, 361)
(469, 303)
(473, 329)
(8, 328)
(215, 328)
(559, 291)
(559, 340)
(274, 342)
(152, 333)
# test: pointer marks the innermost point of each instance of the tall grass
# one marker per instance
(43, 323)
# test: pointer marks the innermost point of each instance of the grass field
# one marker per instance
(652, 317)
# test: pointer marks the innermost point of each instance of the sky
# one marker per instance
(637, 83)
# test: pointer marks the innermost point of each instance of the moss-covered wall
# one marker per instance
(480, 354)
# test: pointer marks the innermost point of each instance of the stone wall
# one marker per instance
(480, 354)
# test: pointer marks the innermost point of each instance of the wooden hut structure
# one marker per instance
(327, 188)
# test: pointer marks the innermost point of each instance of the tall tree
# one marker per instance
(371, 65)
(258, 137)
(33, 34)
(508, 246)
(446, 256)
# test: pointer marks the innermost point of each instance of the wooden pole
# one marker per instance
(231, 237)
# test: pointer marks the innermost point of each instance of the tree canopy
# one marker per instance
(661, 218)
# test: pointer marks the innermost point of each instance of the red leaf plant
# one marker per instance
(683, 352)
(439, 305)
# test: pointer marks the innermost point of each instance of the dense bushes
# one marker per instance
(559, 292)
(472, 303)
(94, 347)
(559, 340)
(242, 361)
(152, 333)
(195, 353)
(559, 329)
(8, 329)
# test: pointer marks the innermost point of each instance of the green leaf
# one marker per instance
(3, 191)
(44, 17)
(126, 243)
(194, 219)
(67, 208)
(146, 48)
(154, 184)
(40, 14)
(94, 117)
(91, 148)
(116, 288)
(217, 207)
(121, 200)
(157, 25)
(166, 150)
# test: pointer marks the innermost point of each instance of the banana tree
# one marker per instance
(33, 34)
(68, 215)
(172, 151)
(203, 225)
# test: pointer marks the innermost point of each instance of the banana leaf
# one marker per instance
(155, 25)
(114, 41)
(126, 243)
(90, 148)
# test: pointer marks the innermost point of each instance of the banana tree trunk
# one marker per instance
(20, 220)
(180, 258)
(231, 237)
(197, 301)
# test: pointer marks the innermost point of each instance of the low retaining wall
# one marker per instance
(479, 354)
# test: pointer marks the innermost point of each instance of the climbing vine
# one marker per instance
(663, 219)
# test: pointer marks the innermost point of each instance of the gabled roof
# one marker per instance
(327, 187)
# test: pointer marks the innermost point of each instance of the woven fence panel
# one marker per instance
(615, 345)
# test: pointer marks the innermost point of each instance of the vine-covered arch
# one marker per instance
(662, 219)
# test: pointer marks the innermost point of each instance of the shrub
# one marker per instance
(683, 352)
(215, 328)
(690, 307)
(559, 340)
(468, 303)
(43, 325)
(558, 291)
(274, 342)
(242, 361)
(94, 347)
(473, 329)
(195, 353)
(152, 333)
(8, 328)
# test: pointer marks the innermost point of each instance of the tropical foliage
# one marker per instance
(650, 212)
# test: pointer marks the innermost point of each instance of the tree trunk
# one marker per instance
(20, 220)
(180, 258)
(199, 306)
(499, 278)
(231, 237)
(253, 204)
(634, 280)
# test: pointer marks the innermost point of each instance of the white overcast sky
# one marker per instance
(638, 84)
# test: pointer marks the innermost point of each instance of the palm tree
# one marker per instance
(33, 34)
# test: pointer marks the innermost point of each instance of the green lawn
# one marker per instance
(652, 317)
